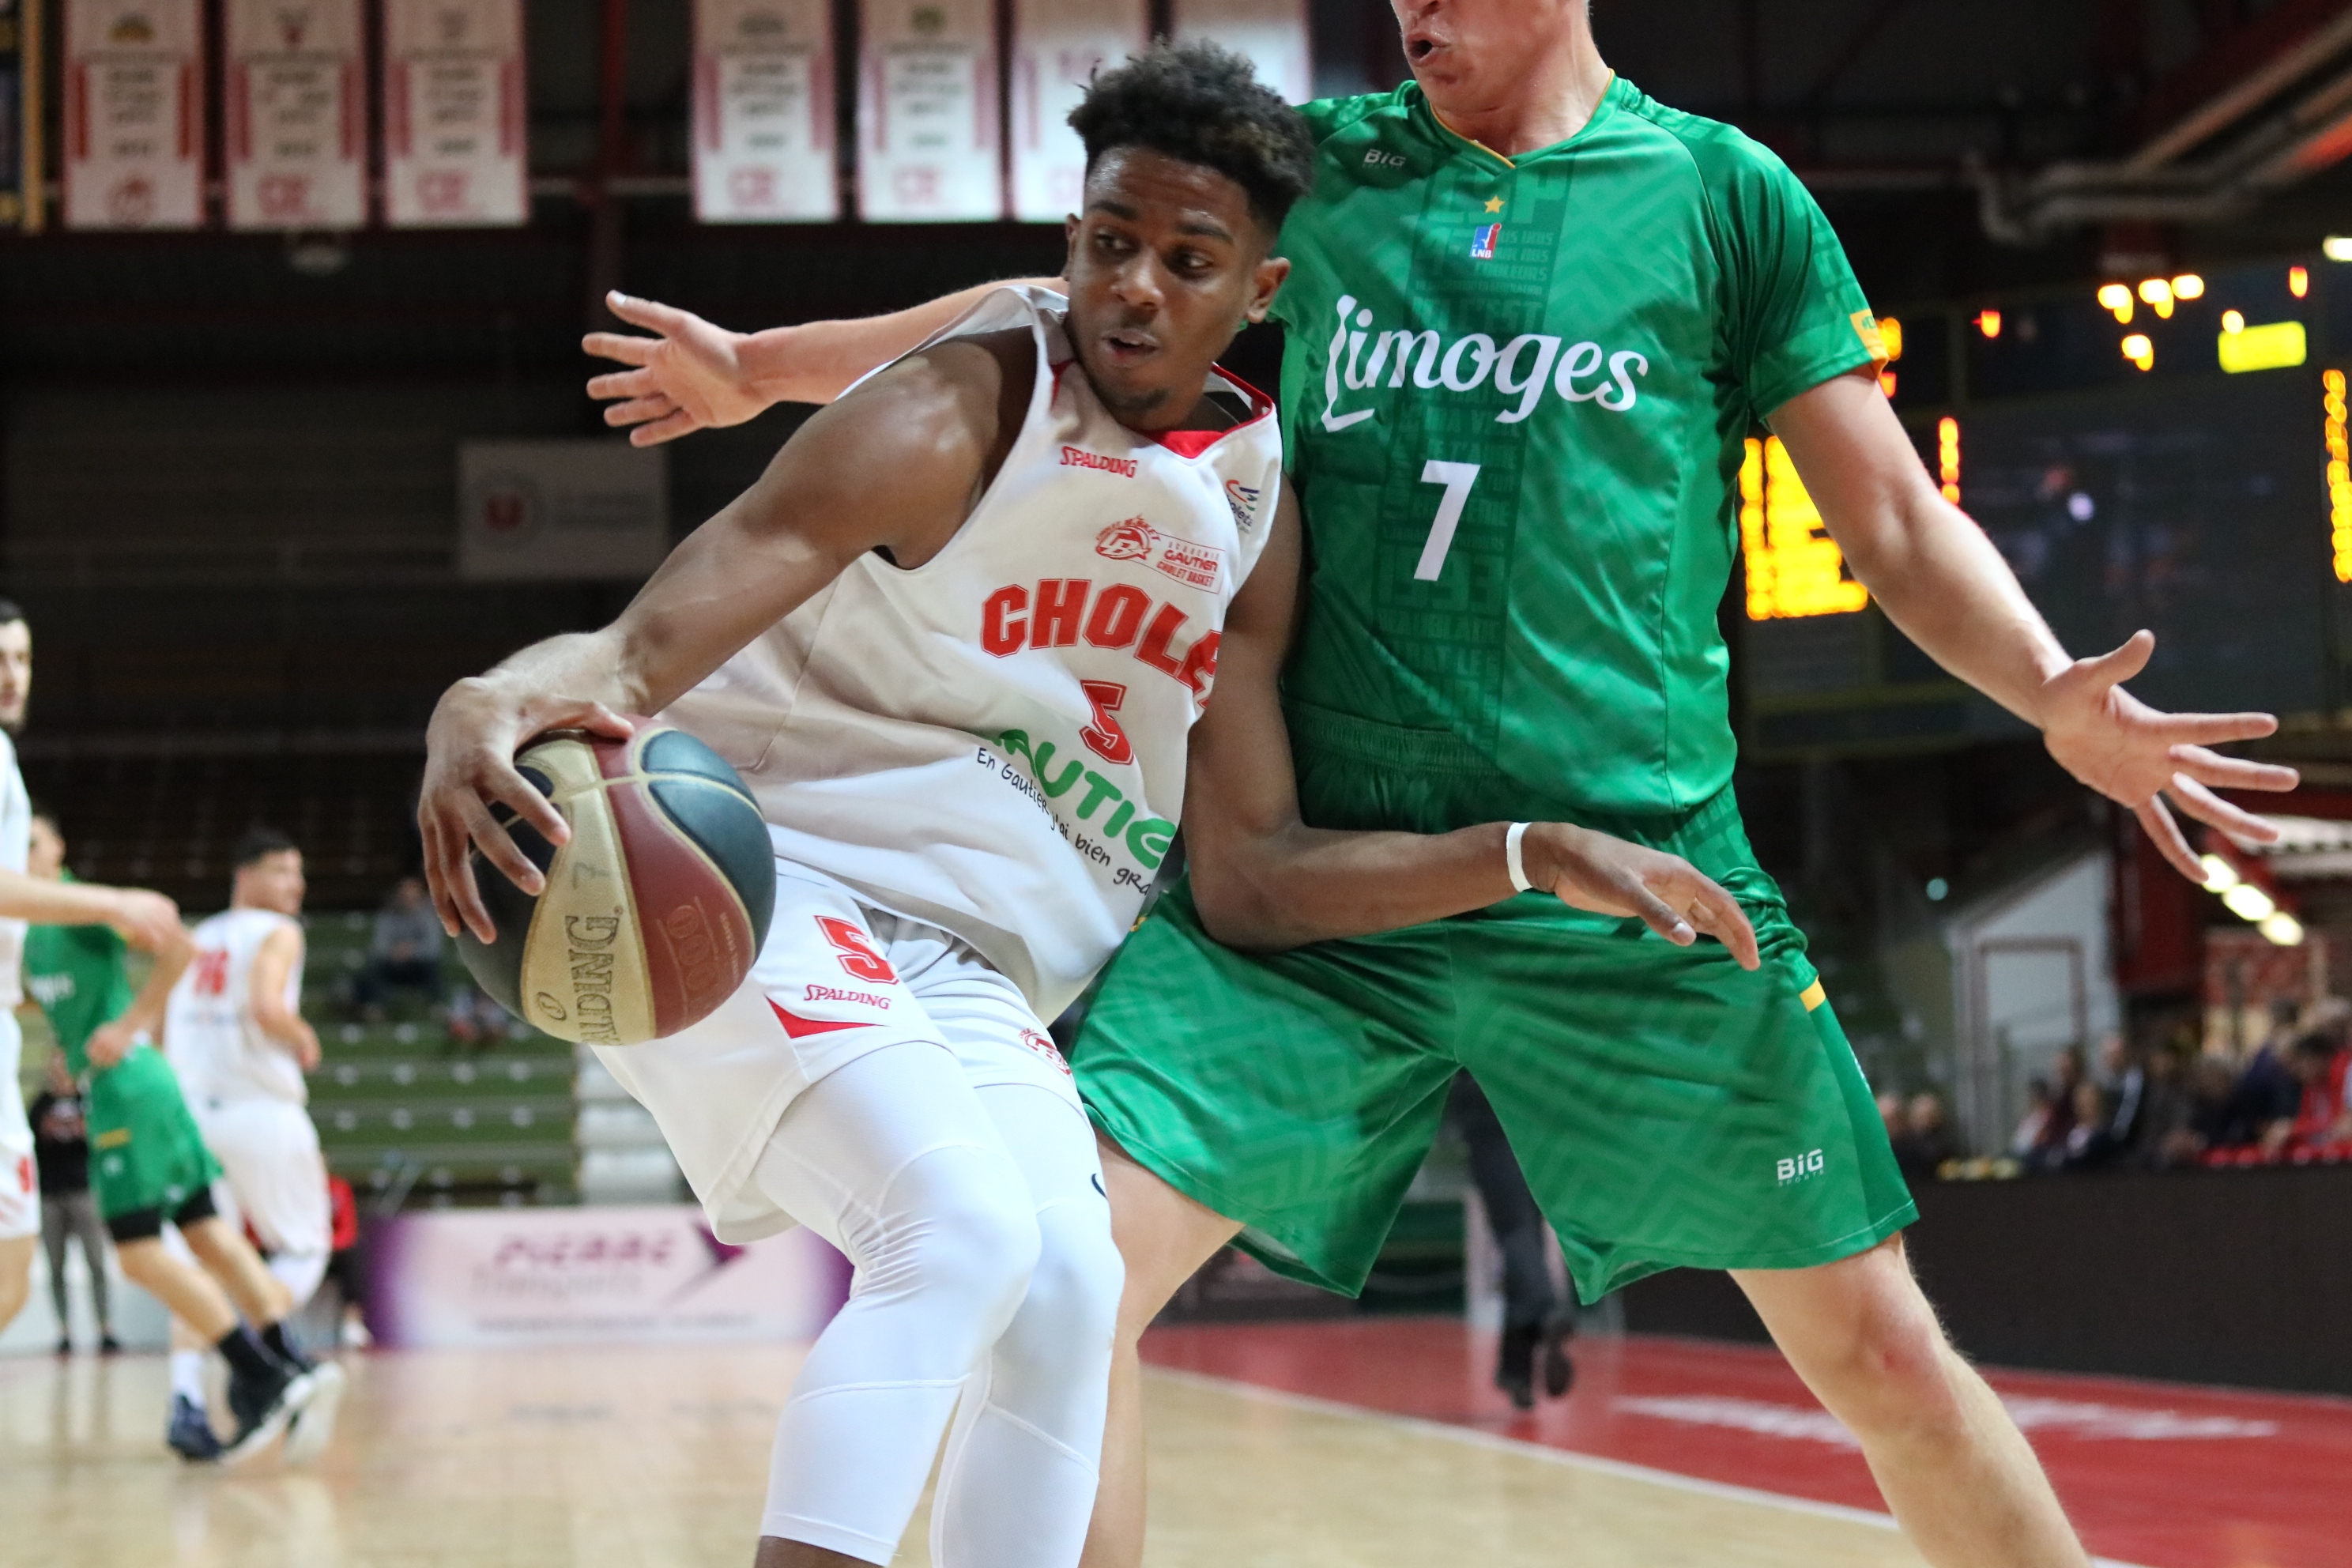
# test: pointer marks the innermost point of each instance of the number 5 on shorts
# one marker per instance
(1457, 478)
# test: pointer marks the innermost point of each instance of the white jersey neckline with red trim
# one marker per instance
(994, 742)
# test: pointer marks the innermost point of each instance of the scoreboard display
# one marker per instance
(2186, 471)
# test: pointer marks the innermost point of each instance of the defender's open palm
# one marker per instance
(2134, 755)
(687, 376)
(1606, 875)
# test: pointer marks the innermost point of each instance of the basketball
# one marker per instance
(653, 911)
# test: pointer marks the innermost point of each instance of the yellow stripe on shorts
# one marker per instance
(1813, 996)
(114, 1138)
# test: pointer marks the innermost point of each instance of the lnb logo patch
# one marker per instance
(1799, 1167)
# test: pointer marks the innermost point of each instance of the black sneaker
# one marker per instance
(110, 1345)
(1515, 1363)
(1558, 1371)
(191, 1433)
(263, 1404)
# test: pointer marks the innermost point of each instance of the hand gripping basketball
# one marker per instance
(655, 907)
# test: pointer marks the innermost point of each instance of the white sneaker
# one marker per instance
(313, 1426)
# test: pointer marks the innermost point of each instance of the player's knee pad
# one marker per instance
(955, 1228)
(1071, 1312)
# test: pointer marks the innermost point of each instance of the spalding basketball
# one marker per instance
(653, 911)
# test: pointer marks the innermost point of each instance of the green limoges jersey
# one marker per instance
(1516, 395)
(76, 974)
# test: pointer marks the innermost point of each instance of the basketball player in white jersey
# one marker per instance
(954, 639)
(149, 922)
(235, 1035)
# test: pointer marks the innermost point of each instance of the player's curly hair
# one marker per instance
(1204, 104)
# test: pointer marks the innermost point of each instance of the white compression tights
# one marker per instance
(986, 1271)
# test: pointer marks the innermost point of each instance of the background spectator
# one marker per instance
(2034, 1128)
(1925, 1141)
(2164, 1110)
(405, 953)
(69, 1211)
(2088, 1144)
(2214, 1120)
(2319, 1063)
(2269, 1095)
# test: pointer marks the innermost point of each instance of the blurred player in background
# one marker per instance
(236, 1038)
(1534, 318)
(149, 1167)
(148, 921)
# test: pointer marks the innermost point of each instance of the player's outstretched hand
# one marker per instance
(2134, 755)
(470, 749)
(687, 376)
(1589, 870)
(148, 921)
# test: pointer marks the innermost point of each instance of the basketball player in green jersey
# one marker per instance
(149, 1165)
(1534, 315)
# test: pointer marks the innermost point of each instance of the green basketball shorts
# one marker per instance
(1670, 1109)
(144, 1150)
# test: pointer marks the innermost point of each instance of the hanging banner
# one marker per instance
(763, 111)
(1057, 45)
(1270, 34)
(930, 111)
(297, 114)
(21, 204)
(453, 114)
(134, 114)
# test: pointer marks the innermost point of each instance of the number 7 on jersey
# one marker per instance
(1457, 478)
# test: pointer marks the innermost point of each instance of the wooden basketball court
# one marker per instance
(1352, 1445)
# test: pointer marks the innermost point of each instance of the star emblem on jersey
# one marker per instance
(1493, 204)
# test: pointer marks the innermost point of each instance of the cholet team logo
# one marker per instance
(1364, 356)
(1195, 565)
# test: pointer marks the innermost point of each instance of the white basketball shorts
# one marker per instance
(838, 978)
(275, 1176)
(20, 1186)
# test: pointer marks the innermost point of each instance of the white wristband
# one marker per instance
(1511, 859)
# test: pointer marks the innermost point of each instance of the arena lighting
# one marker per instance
(2277, 345)
(2234, 321)
(2117, 298)
(2336, 248)
(2282, 928)
(1947, 458)
(1989, 323)
(1890, 332)
(2188, 286)
(1793, 567)
(2140, 350)
(2220, 875)
(2339, 473)
(2158, 293)
(2298, 282)
(2249, 903)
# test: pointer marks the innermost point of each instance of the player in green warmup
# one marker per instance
(1534, 315)
(147, 1166)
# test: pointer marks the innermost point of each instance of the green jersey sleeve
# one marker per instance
(1794, 315)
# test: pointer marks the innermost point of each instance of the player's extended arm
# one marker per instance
(692, 376)
(1263, 880)
(900, 466)
(280, 951)
(146, 920)
(111, 1041)
(1943, 583)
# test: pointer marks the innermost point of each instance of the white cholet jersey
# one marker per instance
(220, 1053)
(993, 742)
(16, 839)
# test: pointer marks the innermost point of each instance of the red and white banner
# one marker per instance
(1057, 45)
(763, 111)
(481, 1278)
(1270, 34)
(930, 113)
(134, 114)
(297, 114)
(453, 114)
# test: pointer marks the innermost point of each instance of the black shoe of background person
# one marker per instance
(110, 1345)
(1558, 1371)
(65, 1345)
(191, 1433)
(1515, 1363)
(264, 1402)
